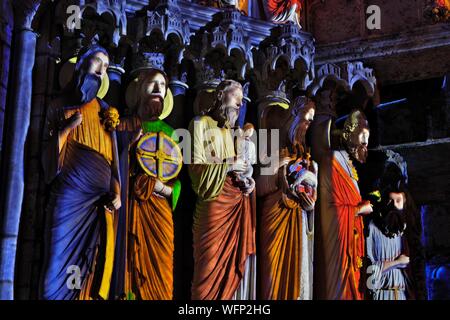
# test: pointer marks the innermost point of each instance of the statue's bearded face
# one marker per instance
(91, 75)
(231, 101)
(305, 122)
(393, 219)
(358, 142)
(153, 92)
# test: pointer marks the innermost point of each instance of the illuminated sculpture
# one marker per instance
(150, 163)
(287, 207)
(81, 163)
(224, 219)
(340, 239)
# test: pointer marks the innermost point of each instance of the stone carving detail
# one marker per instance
(222, 50)
(355, 71)
(287, 57)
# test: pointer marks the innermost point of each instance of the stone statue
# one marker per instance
(81, 165)
(282, 11)
(246, 153)
(144, 259)
(224, 219)
(340, 239)
(394, 249)
(287, 207)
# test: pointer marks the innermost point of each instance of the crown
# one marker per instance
(148, 60)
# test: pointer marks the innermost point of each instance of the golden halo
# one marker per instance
(131, 99)
(104, 87)
(66, 73)
(280, 104)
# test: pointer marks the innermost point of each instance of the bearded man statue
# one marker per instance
(80, 163)
(339, 234)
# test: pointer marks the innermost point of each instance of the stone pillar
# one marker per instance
(32, 221)
(5, 51)
(16, 132)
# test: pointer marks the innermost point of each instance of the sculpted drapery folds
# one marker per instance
(81, 166)
(278, 11)
(282, 11)
(150, 192)
(288, 197)
(224, 219)
(340, 238)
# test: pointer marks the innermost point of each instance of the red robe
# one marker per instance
(224, 238)
(340, 239)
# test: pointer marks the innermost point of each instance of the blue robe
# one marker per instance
(75, 237)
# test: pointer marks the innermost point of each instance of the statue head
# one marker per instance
(248, 129)
(392, 217)
(90, 69)
(228, 100)
(151, 91)
(303, 111)
(394, 200)
(355, 135)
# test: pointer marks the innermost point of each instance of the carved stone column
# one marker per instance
(17, 125)
(6, 21)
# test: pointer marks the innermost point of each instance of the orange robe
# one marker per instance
(340, 236)
(145, 245)
(150, 243)
(281, 244)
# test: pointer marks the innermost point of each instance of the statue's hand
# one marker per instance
(306, 202)
(285, 161)
(110, 201)
(74, 120)
(116, 201)
(136, 136)
(162, 189)
(250, 188)
(402, 261)
(158, 186)
(364, 208)
(307, 177)
(238, 166)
